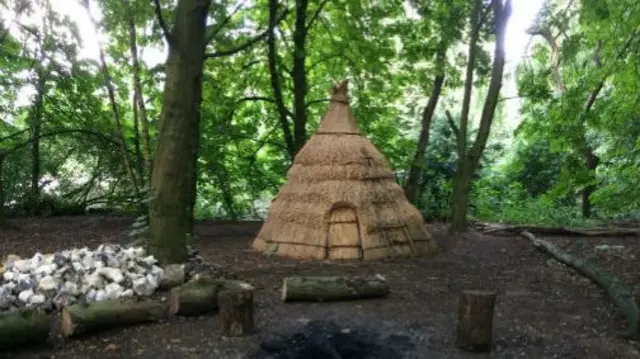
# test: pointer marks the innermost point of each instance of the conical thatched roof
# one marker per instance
(341, 200)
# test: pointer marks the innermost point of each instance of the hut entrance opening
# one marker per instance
(343, 237)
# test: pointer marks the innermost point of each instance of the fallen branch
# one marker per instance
(586, 232)
(332, 288)
(85, 318)
(621, 294)
(21, 327)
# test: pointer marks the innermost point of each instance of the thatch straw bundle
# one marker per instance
(341, 200)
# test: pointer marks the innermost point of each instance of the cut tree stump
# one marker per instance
(475, 320)
(235, 316)
(621, 293)
(200, 297)
(25, 326)
(84, 318)
(172, 276)
(332, 288)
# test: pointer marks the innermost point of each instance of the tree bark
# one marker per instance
(201, 296)
(108, 81)
(21, 327)
(412, 186)
(172, 180)
(138, 95)
(468, 160)
(300, 75)
(332, 288)
(36, 129)
(78, 319)
(272, 55)
(235, 316)
(475, 320)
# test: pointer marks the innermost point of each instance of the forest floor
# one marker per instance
(544, 310)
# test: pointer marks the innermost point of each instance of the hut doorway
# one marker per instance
(343, 237)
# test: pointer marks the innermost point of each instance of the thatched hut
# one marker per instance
(341, 199)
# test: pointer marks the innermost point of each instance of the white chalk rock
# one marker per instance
(141, 287)
(37, 299)
(22, 265)
(46, 269)
(72, 288)
(94, 280)
(25, 295)
(157, 271)
(91, 295)
(47, 284)
(113, 290)
(11, 258)
(101, 295)
(9, 276)
(127, 293)
(77, 267)
(113, 274)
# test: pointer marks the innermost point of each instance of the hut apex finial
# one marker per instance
(340, 92)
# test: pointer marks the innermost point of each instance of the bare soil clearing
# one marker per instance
(543, 310)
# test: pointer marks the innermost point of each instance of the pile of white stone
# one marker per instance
(77, 275)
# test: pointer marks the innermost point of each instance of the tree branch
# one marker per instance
(162, 23)
(313, 102)
(246, 45)
(316, 14)
(452, 123)
(222, 24)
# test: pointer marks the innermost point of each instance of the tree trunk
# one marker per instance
(171, 207)
(592, 162)
(2, 195)
(300, 75)
(36, 128)
(136, 139)
(460, 197)
(144, 121)
(412, 186)
(272, 55)
(108, 81)
(468, 160)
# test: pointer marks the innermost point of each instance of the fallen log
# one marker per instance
(200, 297)
(25, 326)
(235, 317)
(585, 232)
(332, 288)
(475, 320)
(621, 294)
(84, 318)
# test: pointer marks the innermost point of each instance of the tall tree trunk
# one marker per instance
(300, 75)
(412, 186)
(136, 140)
(36, 128)
(468, 160)
(137, 83)
(171, 206)
(2, 195)
(116, 114)
(272, 54)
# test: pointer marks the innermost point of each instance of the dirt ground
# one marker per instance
(544, 310)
